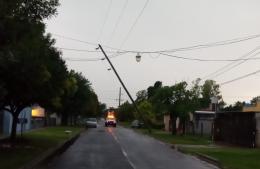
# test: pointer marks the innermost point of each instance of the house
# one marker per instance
(252, 107)
(23, 123)
(199, 122)
(54, 119)
(239, 128)
(168, 123)
(203, 122)
(29, 118)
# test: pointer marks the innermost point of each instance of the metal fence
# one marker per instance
(238, 128)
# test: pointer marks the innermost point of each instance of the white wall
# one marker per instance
(25, 113)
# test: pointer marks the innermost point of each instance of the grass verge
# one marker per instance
(32, 145)
(177, 139)
(231, 158)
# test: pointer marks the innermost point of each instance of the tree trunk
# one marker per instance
(75, 120)
(184, 127)
(174, 130)
(14, 126)
(64, 119)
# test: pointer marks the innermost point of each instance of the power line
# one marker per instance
(175, 56)
(222, 69)
(91, 59)
(85, 50)
(83, 60)
(119, 19)
(217, 75)
(241, 77)
(74, 39)
(213, 44)
(105, 20)
(209, 60)
(85, 42)
(134, 24)
(195, 47)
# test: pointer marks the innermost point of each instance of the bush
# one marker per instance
(157, 125)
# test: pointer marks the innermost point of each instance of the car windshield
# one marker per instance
(92, 119)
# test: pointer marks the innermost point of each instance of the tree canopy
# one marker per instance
(32, 70)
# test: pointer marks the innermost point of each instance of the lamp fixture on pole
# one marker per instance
(138, 57)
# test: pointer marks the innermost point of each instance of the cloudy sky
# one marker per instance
(155, 25)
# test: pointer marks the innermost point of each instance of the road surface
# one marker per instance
(121, 148)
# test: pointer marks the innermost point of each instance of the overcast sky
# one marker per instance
(163, 24)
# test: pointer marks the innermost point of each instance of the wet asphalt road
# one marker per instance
(121, 148)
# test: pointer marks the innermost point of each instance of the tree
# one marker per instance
(34, 10)
(161, 102)
(141, 96)
(238, 106)
(209, 89)
(101, 109)
(152, 89)
(255, 99)
(147, 115)
(182, 104)
(79, 99)
(31, 76)
(28, 60)
(126, 112)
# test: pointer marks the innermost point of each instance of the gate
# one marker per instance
(238, 128)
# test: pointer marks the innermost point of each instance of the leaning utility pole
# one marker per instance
(122, 83)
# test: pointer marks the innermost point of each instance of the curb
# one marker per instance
(203, 157)
(209, 159)
(50, 153)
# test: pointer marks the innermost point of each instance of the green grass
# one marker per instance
(32, 145)
(229, 157)
(177, 139)
(232, 158)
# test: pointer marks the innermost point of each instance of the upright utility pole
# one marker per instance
(122, 83)
(119, 99)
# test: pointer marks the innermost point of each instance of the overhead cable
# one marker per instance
(119, 19)
(239, 78)
(134, 24)
(195, 47)
(105, 20)
(232, 65)
(208, 60)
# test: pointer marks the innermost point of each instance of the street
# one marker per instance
(122, 148)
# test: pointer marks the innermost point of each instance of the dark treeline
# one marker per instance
(32, 70)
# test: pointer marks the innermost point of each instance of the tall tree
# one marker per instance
(147, 115)
(238, 106)
(126, 112)
(255, 99)
(152, 89)
(79, 99)
(209, 89)
(141, 96)
(26, 55)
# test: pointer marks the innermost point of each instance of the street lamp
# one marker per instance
(138, 57)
